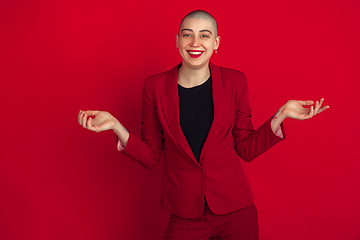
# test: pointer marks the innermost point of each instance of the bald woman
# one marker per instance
(197, 118)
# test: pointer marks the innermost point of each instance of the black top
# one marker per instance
(196, 114)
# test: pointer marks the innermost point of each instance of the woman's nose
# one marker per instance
(195, 42)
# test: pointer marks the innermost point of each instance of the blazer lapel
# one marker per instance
(170, 106)
(221, 101)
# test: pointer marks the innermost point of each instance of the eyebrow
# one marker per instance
(188, 29)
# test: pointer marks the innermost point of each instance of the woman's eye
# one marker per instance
(186, 35)
(204, 36)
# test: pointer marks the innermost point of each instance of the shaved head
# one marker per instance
(200, 14)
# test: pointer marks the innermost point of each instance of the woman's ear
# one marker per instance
(177, 40)
(217, 42)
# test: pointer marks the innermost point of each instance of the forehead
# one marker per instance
(197, 24)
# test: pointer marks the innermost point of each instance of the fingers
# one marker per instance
(91, 113)
(306, 103)
(318, 105)
(85, 119)
(296, 108)
(82, 118)
(323, 109)
(79, 115)
(88, 124)
(314, 110)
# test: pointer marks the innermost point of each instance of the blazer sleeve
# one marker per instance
(147, 149)
(250, 143)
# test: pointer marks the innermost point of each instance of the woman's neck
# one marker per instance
(190, 77)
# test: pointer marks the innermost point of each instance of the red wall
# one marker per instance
(59, 181)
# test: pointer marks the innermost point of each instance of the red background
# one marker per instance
(59, 181)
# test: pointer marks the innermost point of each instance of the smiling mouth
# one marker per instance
(195, 53)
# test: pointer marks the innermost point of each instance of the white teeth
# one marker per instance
(195, 53)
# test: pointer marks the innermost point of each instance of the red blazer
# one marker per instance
(219, 175)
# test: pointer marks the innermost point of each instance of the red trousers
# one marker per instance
(241, 224)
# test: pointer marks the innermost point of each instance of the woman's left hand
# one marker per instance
(295, 109)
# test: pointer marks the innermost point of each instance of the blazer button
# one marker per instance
(199, 169)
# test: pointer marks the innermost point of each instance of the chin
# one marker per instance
(197, 65)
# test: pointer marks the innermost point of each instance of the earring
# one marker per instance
(215, 50)
(177, 49)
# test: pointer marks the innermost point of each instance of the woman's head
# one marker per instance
(197, 38)
(200, 14)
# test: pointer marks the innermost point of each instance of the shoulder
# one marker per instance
(230, 74)
(161, 78)
(233, 80)
(157, 79)
(158, 83)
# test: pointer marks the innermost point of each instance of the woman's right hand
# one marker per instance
(97, 121)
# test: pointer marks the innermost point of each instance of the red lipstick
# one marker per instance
(195, 53)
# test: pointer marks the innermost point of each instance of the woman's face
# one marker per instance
(197, 41)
